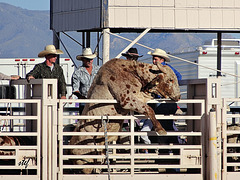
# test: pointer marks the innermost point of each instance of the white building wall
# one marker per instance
(159, 14)
(178, 14)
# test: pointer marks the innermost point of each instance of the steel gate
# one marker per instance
(20, 151)
(230, 139)
(210, 153)
(168, 161)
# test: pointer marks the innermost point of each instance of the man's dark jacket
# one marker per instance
(41, 71)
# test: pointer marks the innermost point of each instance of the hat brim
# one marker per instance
(126, 54)
(46, 52)
(160, 55)
(80, 57)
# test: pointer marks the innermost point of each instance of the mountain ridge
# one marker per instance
(24, 33)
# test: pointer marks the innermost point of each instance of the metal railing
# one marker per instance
(230, 141)
(126, 157)
(20, 150)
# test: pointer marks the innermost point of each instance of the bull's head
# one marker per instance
(164, 84)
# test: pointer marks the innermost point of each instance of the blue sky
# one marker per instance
(30, 4)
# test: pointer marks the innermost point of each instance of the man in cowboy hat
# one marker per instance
(48, 69)
(131, 54)
(159, 55)
(82, 77)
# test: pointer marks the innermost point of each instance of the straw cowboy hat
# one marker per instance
(131, 52)
(160, 53)
(50, 49)
(86, 53)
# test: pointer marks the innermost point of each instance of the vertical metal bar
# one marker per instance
(213, 163)
(83, 40)
(56, 43)
(51, 14)
(11, 120)
(203, 138)
(49, 143)
(98, 39)
(39, 126)
(104, 122)
(219, 53)
(60, 139)
(88, 39)
(224, 141)
(106, 44)
(54, 141)
(132, 121)
(44, 139)
(104, 14)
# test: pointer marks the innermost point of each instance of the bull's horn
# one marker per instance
(160, 67)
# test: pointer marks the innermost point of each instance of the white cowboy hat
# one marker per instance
(50, 49)
(86, 53)
(161, 53)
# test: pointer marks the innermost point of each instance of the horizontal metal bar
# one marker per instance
(8, 167)
(137, 176)
(20, 101)
(232, 115)
(20, 147)
(233, 132)
(233, 145)
(18, 134)
(233, 164)
(233, 154)
(151, 133)
(125, 166)
(19, 117)
(182, 101)
(143, 146)
(121, 156)
(135, 117)
(231, 100)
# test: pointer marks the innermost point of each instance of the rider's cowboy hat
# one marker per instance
(131, 52)
(86, 53)
(160, 53)
(50, 49)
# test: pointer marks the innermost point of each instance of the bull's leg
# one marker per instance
(156, 124)
(83, 140)
(83, 161)
(142, 108)
(87, 170)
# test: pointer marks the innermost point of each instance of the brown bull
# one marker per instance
(131, 83)
(8, 141)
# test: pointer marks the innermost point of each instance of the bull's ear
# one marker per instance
(161, 67)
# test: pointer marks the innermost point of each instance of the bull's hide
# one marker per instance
(8, 141)
(131, 83)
